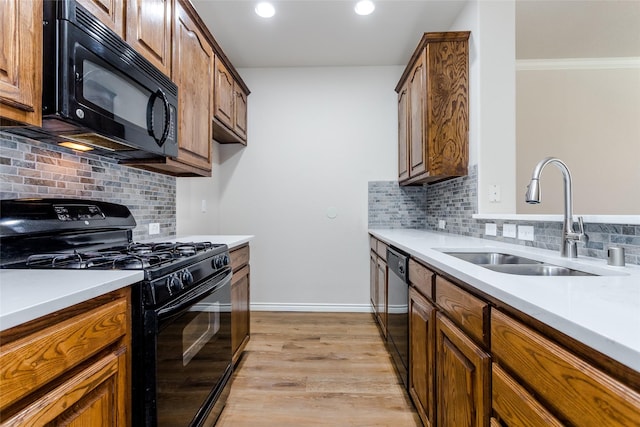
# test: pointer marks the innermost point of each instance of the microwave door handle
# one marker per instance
(150, 118)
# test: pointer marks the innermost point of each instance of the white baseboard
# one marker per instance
(343, 308)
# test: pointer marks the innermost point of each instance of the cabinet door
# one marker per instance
(382, 294)
(21, 61)
(240, 312)
(95, 396)
(417, 145)
(462, 378)
(193, 60)
(223, 105)
(373, 281)
(422, 353)
(109, 12)
(447, 126)
(403, 133)
(149, 31)
(240, 112)
(514, 406)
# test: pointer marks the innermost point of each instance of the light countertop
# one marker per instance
(600, 311)
(28, 294)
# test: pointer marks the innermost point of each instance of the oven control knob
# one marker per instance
(218, 262)
(187, 278)
(225, 260)
(174, 284)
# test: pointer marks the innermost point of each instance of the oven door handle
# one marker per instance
(178, 306)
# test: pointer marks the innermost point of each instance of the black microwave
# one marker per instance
(99, 92)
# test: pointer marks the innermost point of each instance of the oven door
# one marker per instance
(192, 355)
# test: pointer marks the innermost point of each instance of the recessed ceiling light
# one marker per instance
(364, 7)
(265, 10)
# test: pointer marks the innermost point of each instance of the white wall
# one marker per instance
(316, 137)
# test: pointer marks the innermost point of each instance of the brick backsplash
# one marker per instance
(455, 201)
(33, 169)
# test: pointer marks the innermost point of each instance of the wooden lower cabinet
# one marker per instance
(566, 385)
(240, 301)
(70, 367)
(422, 315)
(379, 283)
(462, 377)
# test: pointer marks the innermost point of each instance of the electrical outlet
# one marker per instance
(442, 224)
(494, 193)
(490, 229)
(509, 230)
(154, 228)
(525, 232)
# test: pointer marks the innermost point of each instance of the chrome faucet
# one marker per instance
(570, 237)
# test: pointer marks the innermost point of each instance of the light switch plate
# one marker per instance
(509, 230)
(490, 229)
(442, 224)
(525, 232)
(494, 193)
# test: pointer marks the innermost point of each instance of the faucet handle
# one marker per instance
(582, 236)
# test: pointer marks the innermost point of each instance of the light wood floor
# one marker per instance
(316, 369)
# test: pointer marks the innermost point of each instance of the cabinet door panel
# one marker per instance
(403, 134)
(240, 313)
(462, 378)
(447, 138)
(240, 112)
(514, 405)
(89, 398)
(382, 295)
(570, 386)
(109, 12)
(224, 94)
(149, 31)
(21, 61)
(193, 73)
(421, 344)
(417, 142)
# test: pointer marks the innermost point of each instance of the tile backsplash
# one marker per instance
(455, 201)
(33, 169)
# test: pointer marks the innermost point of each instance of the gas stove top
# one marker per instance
(134, 256)
(94, 235)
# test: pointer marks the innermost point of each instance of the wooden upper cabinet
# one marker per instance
(223, 105)
(149, 31)
(417, 152)
(193, 62)
(437, 84)
(230, 106)
(240, 111)
(109, 12)
(21, 61)
(403, 137)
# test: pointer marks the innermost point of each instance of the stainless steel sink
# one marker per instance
(492, 258)
(537, 270)
(515, 264)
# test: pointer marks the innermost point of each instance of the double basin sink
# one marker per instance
(515, 264)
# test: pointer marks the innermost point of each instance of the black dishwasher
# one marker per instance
(398, 311)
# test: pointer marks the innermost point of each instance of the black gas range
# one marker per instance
(181, 311)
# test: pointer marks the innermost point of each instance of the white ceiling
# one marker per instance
(329, 33)
(324, 32)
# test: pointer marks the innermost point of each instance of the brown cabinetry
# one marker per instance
(110, 12)
(563, 383)
(148, 31)
(379, 283)
(422, 316)
(433, 110)
(21, 62)
(240, 301)
(230, 106)
(69, 368)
